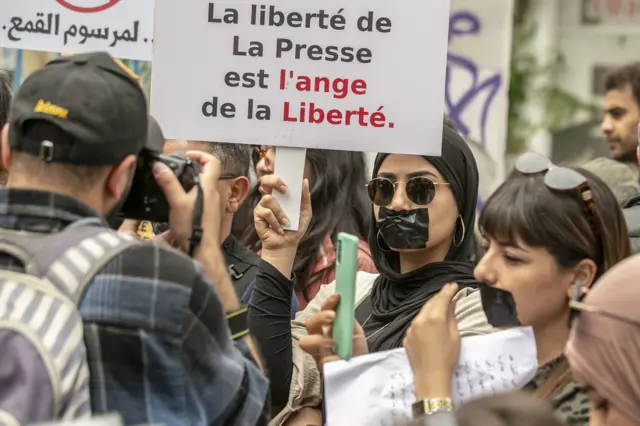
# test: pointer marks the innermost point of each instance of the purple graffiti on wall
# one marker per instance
(461, 24)
(465, 24)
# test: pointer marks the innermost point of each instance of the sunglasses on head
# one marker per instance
(420, 189)
(577, 307)
(560, 179)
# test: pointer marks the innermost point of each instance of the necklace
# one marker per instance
(375, 332)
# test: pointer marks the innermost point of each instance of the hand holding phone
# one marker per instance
(346, 268)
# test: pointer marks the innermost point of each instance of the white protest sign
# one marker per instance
(124, 28)
(360, 75)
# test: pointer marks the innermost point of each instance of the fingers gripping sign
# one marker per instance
(271, 219)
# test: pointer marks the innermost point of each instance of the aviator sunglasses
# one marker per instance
(560, 179)
(420, 189)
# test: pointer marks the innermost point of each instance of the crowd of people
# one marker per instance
(210, 313)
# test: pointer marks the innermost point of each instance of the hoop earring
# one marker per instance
(459, 243)
(382, 244)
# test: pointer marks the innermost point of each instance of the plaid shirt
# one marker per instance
(158, 345)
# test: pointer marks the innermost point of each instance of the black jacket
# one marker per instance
(632, 216)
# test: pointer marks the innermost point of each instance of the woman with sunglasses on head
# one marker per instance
(548, 232)
(604, 345)
(423, 211)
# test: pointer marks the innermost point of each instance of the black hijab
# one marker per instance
(397, 298)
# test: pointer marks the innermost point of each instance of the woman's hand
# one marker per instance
(433, 345)
(318, 342)
(270, 219)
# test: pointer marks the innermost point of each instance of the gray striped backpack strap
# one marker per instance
(69, 259)
(41, 330)
(82, 250)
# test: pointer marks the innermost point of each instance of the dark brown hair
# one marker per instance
(623, 76)
(525, 209)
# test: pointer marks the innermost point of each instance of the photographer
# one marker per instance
(157, 345)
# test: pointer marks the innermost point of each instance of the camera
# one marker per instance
(146, 201)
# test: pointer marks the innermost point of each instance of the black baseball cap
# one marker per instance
(84, 109)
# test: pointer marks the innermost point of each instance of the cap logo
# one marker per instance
(50, 109)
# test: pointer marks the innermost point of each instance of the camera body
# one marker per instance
(146, 201)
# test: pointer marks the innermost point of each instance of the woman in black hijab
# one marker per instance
(424, 216)
(413, 271)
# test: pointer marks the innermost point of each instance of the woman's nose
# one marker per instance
(484, 272)
(400, 200)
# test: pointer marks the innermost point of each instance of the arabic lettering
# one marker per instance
(50, 24)
(461, 24)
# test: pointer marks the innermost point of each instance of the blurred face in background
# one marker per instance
(620, 123)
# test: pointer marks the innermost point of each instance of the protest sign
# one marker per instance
(123, 28)
(356, 75)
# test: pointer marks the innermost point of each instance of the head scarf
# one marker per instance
(604, 351)
(397, 298)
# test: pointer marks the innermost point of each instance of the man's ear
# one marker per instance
(239, 191)
(5, 150)
(120, 175)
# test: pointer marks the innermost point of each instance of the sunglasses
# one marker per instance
(560, 179)
(577, 307)
(420, 190)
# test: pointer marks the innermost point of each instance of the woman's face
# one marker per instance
(443, 210)
(602, 412)
(266, 164)
(540, 288)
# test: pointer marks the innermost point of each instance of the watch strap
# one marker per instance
(238, 322)
(426, 407)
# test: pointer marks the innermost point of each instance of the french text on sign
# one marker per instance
(339, 87)
(329, 74)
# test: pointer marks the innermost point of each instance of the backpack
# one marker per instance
(40, 306)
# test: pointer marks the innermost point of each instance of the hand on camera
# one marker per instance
(270, 219)
(181, 203)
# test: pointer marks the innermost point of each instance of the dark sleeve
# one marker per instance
(270, 326)
(26, 395)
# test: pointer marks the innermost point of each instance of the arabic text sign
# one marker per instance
(358, 75)
(123, 28)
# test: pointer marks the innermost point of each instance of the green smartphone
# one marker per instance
(346, 268)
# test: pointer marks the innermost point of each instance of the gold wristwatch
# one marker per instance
(426, 407)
